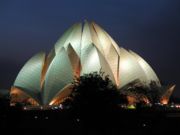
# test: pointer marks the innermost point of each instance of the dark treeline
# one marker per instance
(94, 107)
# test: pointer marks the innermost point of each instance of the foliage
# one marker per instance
(94, 93)
(153, 92)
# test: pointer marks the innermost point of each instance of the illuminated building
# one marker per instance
(166, 95)
(83, 48)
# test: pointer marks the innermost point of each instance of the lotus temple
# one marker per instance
(46, 79)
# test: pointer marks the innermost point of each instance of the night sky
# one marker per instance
(151, 28)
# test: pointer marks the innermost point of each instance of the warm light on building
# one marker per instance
(82, 49)
(165, 98)
(164, 101)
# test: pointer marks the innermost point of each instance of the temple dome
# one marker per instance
(83, 48)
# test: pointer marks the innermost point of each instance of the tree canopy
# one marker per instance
(94, 93)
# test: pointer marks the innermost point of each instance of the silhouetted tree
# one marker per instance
(153, 92)
(94, 95)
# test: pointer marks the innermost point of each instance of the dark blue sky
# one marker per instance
(149, 27)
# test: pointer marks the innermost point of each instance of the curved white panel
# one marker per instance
(50, 57)
(65, 37)
(106, 68)
(150, 74)
(75, 39)
(113, 43)
(48, 61)
(107, 37)
(86, 45)
(58, 76)
(29, 78)
(103, 38)
(110, 51)
(95, 38)
(75, 61)
(86, 37)
(129, 69)
(113, 60)
(89, 56)
(91, 61)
